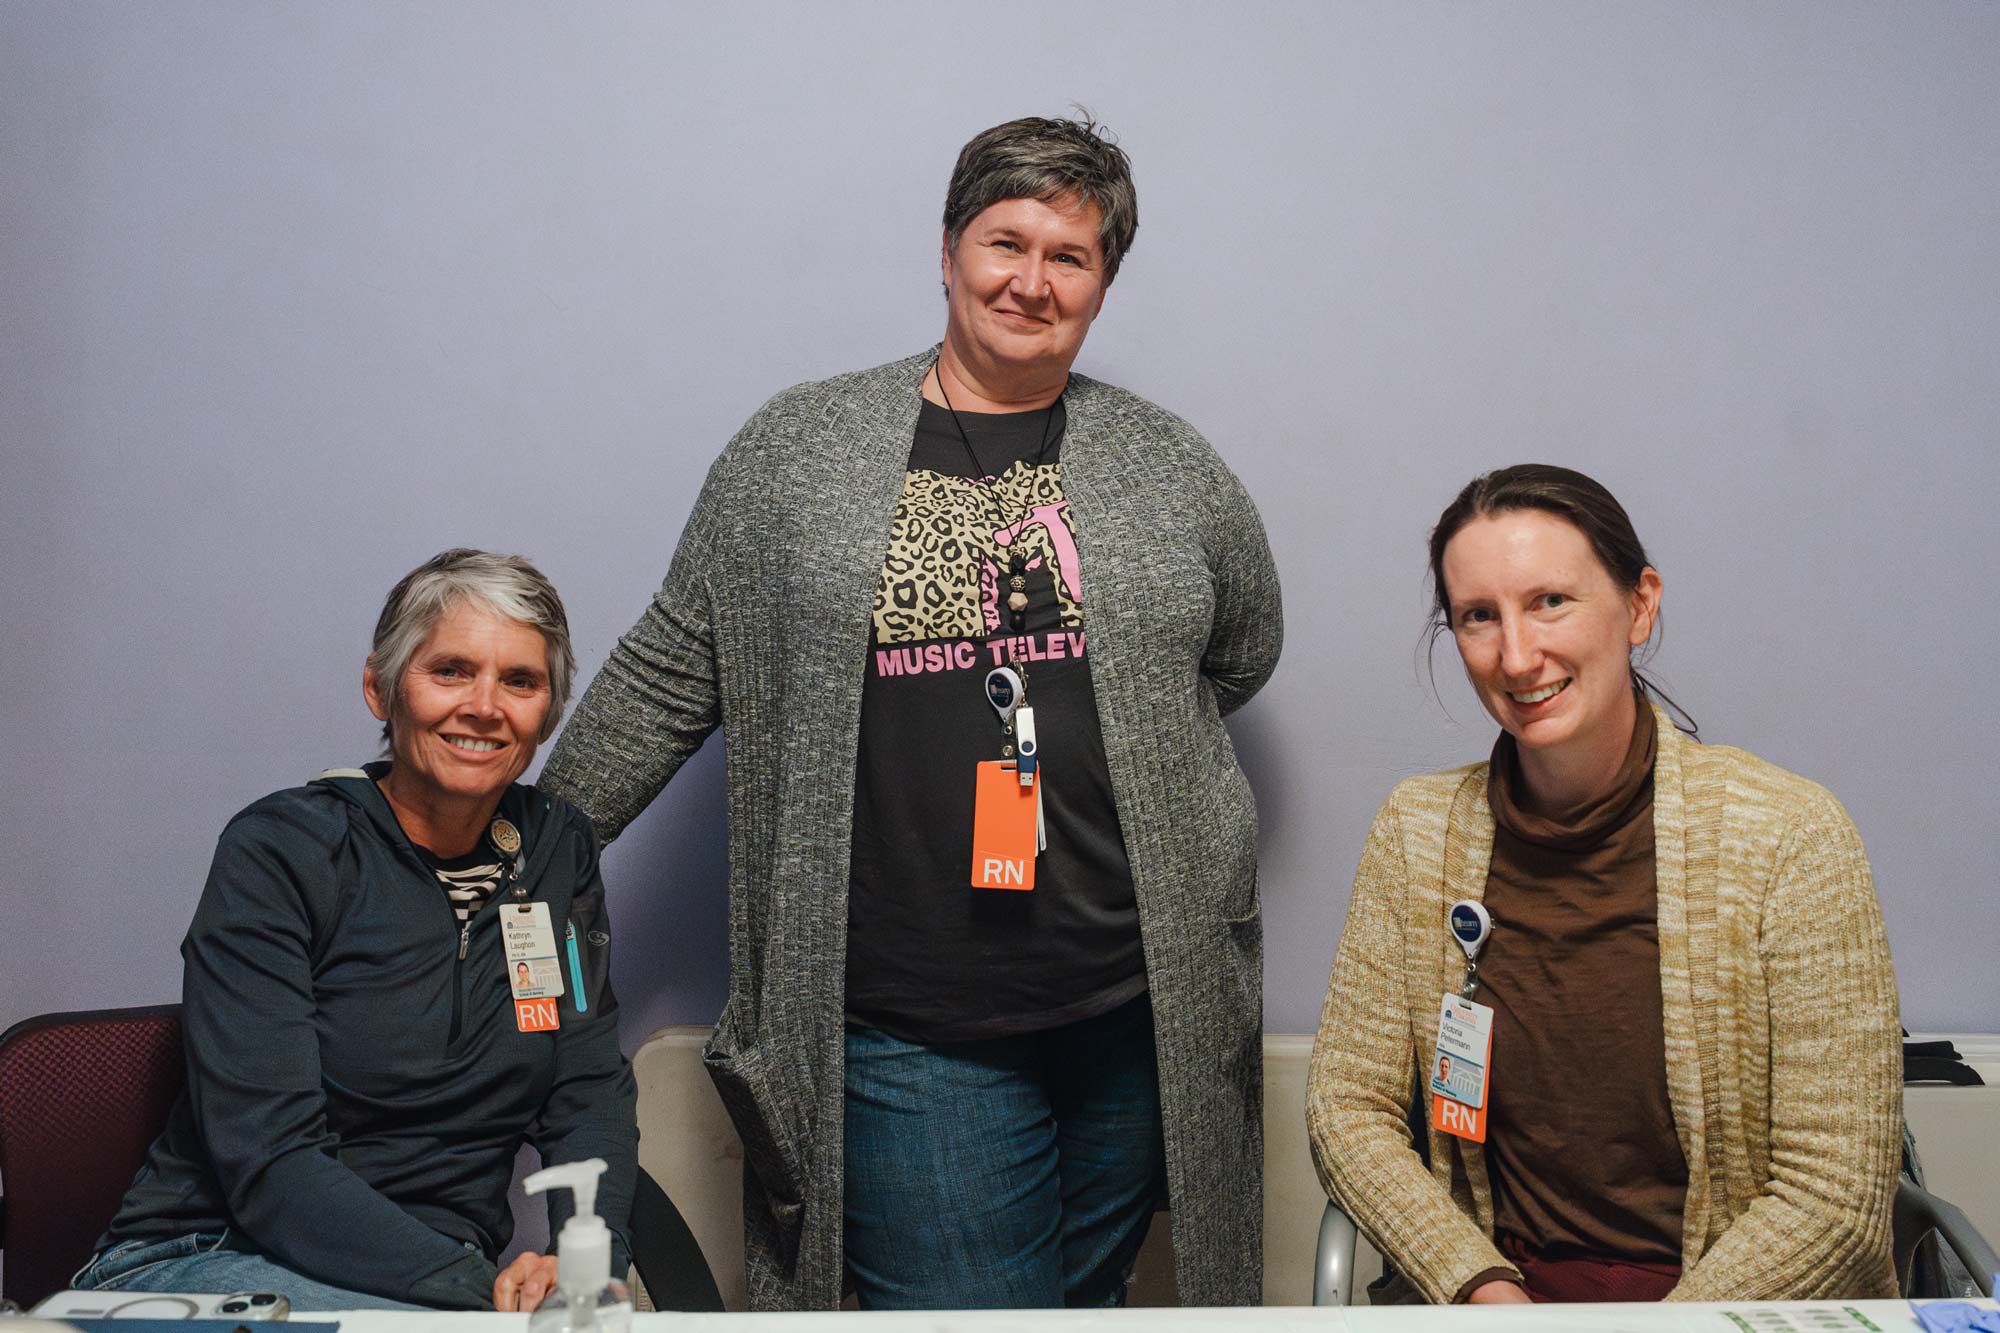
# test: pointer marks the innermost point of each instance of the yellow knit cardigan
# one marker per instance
(1783, 1063)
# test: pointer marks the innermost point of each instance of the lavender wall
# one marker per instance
(293, 295)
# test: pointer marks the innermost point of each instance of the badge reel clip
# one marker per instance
(507, 841)
(1008, 694)
(1007, 691)
(1470, 925)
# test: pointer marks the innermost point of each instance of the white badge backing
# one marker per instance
(533, 972)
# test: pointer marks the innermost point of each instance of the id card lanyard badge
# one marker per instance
(1008, 832)
(534, 973)
(1461, 1070)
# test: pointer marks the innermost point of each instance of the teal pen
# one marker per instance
(576, 970)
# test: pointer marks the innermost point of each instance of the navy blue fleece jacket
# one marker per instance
(357, 1090)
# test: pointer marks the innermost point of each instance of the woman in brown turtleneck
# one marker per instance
(1695, 1085)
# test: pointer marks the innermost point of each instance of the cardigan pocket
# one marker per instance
(1231, 834)
(774, 1149)
(1243, 922)
(1244, 905)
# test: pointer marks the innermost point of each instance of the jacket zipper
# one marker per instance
(458, 981)
(512, 881)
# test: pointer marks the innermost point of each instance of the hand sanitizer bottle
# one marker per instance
(585, 1300)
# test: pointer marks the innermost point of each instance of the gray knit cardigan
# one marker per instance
(762, 628)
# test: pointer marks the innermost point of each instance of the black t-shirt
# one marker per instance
(929, 957)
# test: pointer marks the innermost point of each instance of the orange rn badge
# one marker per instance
(1003, 828)
(536, 1015)
(1467, 1122)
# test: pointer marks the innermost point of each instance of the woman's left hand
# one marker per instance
(522, 1284)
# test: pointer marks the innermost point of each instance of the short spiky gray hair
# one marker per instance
(507, 585)
(1039, 158)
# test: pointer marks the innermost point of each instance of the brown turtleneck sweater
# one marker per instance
(1581, 1145)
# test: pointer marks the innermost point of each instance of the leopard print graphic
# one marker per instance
(941, 575)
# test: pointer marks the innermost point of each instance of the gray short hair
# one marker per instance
(1039, 158)
(507, 585)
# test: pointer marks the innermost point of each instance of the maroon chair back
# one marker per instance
(82, 1096)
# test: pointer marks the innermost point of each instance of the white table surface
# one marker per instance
(1889, 1316)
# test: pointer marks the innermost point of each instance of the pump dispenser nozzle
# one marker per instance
(585, 1300)
(583, 1250)
(579, 1178)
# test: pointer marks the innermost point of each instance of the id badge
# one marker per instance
(1005, 827)
(532, 969)
(533, 972)
(1461, 1071)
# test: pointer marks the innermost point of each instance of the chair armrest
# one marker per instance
(1919, 1213)
(1333, 1259)
(665, 1252)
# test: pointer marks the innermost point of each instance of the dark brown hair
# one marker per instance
(1580, 501)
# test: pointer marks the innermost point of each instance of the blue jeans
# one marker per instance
(199, 1263)
(1014, 1173)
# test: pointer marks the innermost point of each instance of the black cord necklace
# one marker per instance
(1017, 564)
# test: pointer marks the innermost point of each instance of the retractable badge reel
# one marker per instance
(1007, 829)
(1008, 694)
(1004, 690)
(1470, 925)
(1461, 1070)
(507, 841)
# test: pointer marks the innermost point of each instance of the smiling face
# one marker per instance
(1024, 283)
(473, 701)
(1546, 636)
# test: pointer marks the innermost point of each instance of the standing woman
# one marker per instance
(968, 1096)
(1693, 1088)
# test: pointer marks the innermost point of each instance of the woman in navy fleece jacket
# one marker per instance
(364, 1055)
